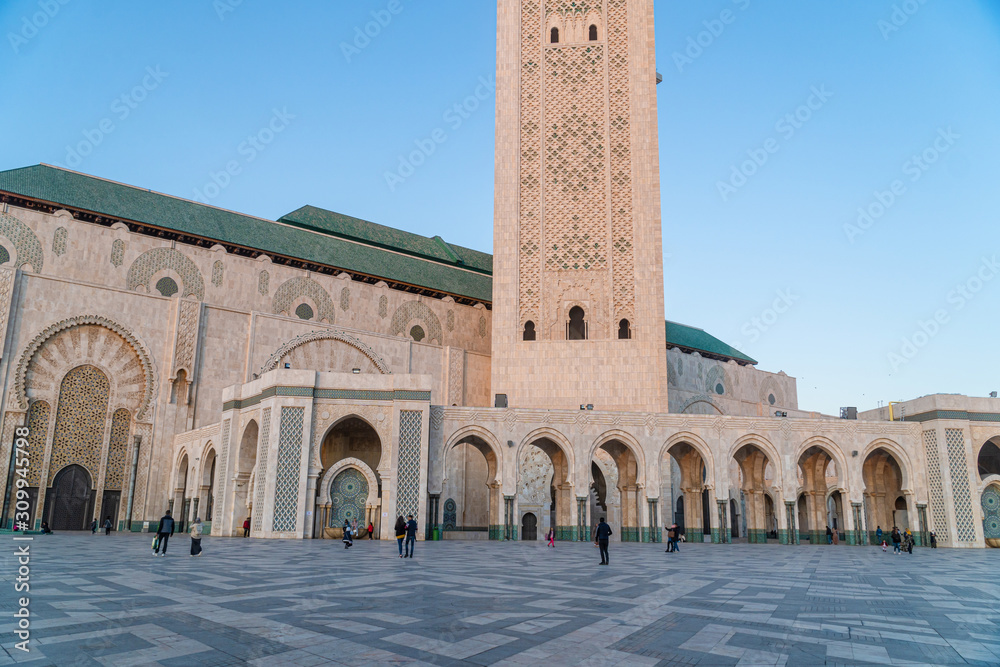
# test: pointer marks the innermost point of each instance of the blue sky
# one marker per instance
(896, 103)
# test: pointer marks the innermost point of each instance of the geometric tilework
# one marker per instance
(4, 255)
(261, 483)
(38, 426)
(345, 299)
(217, 272)
(286, 483)
(529, 228)
(117, 253)
(383, 307)
(958, 466)
(938, 508)
(991, 512)
(83, 406)
(482, 326)
(157, 259)
(621, 161)
(59, 241)
(408, 475)
(117, 450)
(29, 249)
(415, 310)
(450, 320)
(263, 283)
(220, 481)
(294, 289)
(348, 495)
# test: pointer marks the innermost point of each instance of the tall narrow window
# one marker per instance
(554, 36)
(529, 330)
(624, 330)
(576, 329)
(593, 33)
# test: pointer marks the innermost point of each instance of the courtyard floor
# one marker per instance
(99, 600)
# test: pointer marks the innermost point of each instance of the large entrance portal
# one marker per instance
(348, 495)
(529, 527)
(70, 501)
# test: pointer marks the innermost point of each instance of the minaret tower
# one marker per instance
(578, 264)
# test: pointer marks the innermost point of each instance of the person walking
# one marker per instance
(672, 536)
(878, 534)
(246, 527)
(195, 533)
(348, 536)
(836, 537)
(603, 535)
(163, 532)
(550, 537)
(400, 532)
(93, 527)
(371, 530)
(411, 536)
(107, 525)
(908, 542)
(897, 539)
(829, 535)
(933, 540)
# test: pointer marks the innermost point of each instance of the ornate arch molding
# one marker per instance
(339, 467)
(699, 445)
(312, 336)
(26, 243)
(152, 261)
(415, 310)
(149, 370)
(767, 448)
(701, 398)
(896, 452)
(291, 290)
(461, 436)
(630, 443)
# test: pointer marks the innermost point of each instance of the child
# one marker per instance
(884, 546)
(348, 537)
(551, 538)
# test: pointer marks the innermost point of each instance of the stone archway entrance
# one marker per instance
(70, 501)
(543, 488)
(529, 527)
(471, 490)
(756, 477)
(693, 506)
(355, 492)
(818, 473)
(348, 498)
(614, 471)
(883, 479)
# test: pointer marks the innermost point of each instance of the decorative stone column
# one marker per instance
(497, 510)
(857, 536)
(721, 534)
(693, 525)
(923, 537)
(790, 534)
(310, 520)
(654, 534)
(582, 534)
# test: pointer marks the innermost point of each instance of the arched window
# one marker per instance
(166, 286)
(576, 328)
(593, 33)
(304, 311)
(554, 36)
(624, 328)
(417, 333)
(529, 330)
(4, 255)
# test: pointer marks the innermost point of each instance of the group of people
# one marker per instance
(107, 525)
(901, 541)
(406, 535)
(675, 534)
(351, 530)
(165, 528)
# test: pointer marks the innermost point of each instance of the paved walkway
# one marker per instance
(99, 600)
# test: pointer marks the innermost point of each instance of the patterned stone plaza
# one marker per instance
(100, 600)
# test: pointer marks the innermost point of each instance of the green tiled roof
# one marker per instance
(309, 234)
(698, 340)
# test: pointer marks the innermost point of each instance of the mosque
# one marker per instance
(159, 353)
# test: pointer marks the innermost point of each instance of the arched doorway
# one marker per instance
(770, 518)
(350, 492)
(529, 527)
(734, 519)
(617, 464)
(471, 488)
(70, 500)
(988, 460)
(179, 504)
(246, 466)
(693, 517)
(817, 474)
(756, 477)
(543, 489)
(883, 479)
(207, 502)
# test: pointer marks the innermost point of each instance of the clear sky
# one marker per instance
(892, 108)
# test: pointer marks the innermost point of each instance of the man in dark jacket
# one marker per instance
(163, 533)
(603, 533)
(411, 536)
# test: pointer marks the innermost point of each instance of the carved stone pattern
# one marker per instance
(263, 447)
(374, 415)
(530, 213)
(11, 421)
(59, 241)
(456, 375)
(118, 451)
(449, 320)
(152, 261)
(717, 375)
(383, 307)
(6, 282)
(264, 283)
(343, 337)
(187, 331)
(137, 376)
(117, 253)
(408, 479)
(415, 310)
(145, 434)
(482, 326)
(26, 243)
(220, 473)
(80, 415)
(345, 299)
(958, 464)
(286, 483)
(288, 295)
(437, 418)
(622, 230)
(217, 273)
(938, 510)
(575, 149)
(38, 428)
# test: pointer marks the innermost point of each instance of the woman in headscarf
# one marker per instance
(195, 532)
(400, 533)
